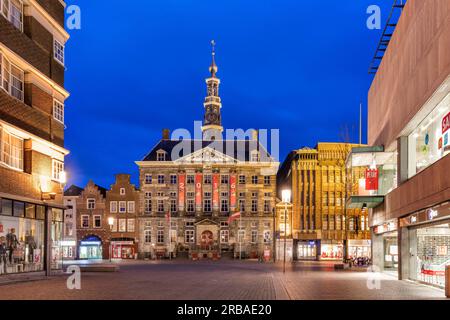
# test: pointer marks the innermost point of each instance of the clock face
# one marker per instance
(211, 117)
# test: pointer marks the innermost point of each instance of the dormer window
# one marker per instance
(255, 156)
(161, 156)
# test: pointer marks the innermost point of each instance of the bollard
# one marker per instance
(447, 281)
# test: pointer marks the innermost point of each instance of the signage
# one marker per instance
(181, 190)
(371, 176)
(68, 243)
(215, 182)
(233, 192)
(90, 243)
(446, 123)
(266, 255)
(1, 227)
(413, 219)
(198, 190)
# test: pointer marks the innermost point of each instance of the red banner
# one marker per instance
(181, 191)
(371, 176)
(198, 190)
(233, 192)
(446, 123)
(215, 182)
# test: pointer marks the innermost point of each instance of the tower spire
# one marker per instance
(212, 122)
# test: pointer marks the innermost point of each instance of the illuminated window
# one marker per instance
(113, 206)
(122, 206)
(57, 168)
(11, 150)
(131, 206)
(130, 225)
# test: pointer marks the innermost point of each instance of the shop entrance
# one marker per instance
(429, 253)
(91, 248)
(306, 250)
(390, 245)
(122, 248)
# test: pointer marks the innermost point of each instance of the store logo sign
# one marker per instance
(413, 219)
(431, 214)
(446, 123)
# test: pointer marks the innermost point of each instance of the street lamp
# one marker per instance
(110, 223)
(286, 198)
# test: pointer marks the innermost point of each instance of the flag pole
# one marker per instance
(240, 237)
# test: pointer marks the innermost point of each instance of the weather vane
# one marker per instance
(213, 45)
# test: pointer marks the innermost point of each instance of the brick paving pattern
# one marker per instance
(222, 280)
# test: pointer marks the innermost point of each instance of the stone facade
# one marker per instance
(317, 178)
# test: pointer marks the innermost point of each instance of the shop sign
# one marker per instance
(413, 219)
(371, 176)
(446, 123)
(68, 243)
(122, 243)
(90, 243)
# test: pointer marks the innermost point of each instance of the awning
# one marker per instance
(359, 202)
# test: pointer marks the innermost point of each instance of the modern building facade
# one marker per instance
(408, 129)
(122, 205)
(322, 227)
(190, 188)
(93, 231)
(32, 96)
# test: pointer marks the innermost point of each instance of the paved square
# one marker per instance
(221, 280)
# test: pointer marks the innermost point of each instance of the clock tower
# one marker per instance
(212, 123)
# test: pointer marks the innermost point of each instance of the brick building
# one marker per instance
(69, 243)
(32, 96)
(122, 203)
(189, 189)
(322, 226)
(93, 231)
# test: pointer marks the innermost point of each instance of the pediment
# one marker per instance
(206, 222)
(207, 155)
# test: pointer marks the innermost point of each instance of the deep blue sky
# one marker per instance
(299, 66)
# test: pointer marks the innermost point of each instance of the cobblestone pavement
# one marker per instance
(222, 280)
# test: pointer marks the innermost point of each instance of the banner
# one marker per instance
(215, 182)
(181, 191)
(446, 123)
(233, 192)
(371, 176)
(198, 190)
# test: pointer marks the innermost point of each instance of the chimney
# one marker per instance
(165, 134)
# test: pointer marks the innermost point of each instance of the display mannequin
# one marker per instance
(11, 243)
(29, 240)
(3, 253)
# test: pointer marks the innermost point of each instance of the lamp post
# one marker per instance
(286, 198)
(110, 223)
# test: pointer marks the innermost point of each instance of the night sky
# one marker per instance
(133, 69)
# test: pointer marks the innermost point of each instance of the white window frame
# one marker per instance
(7, 78)
(160, 156)
(122, 191)
(95, 219)
(160, 236)
(224, 236)
(254, 236)
(113, 207)
(14, 158)
(83, 217)
(122, 225)
(90, 201)
(131, 225)
(148, 236)
(189, 236)
(131, 206)
(148, 179)
(148, 205)
(58, 111)
(57, 168)
(58, 51)
(173, 205)
(122, 206)
(6, 11)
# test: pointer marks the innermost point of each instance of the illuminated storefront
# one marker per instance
(307, 250)
(91, 248)
(428, 240)
(359, 249)
(331, 250)
(385, 246)
(23, 247)
(123, 248)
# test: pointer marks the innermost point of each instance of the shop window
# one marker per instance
(6, 207)
(19, 209)
(30, 211)
(429, 142)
